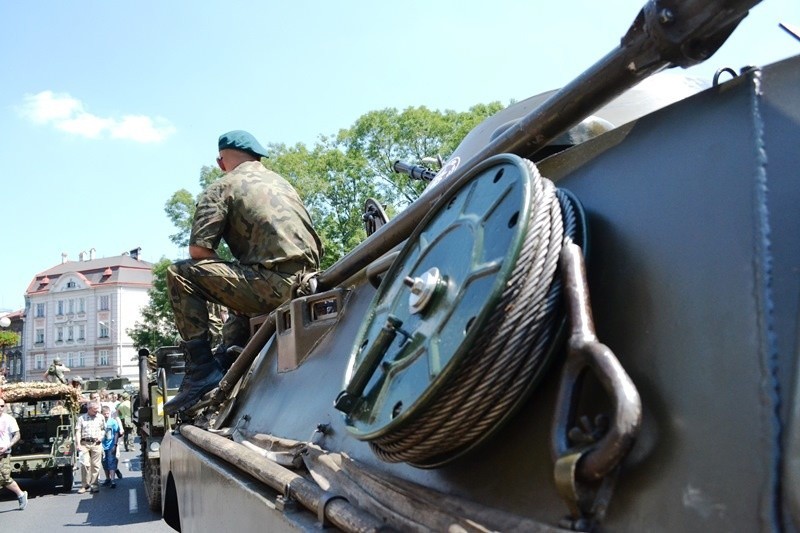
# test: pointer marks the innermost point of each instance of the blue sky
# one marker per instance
(107, 108)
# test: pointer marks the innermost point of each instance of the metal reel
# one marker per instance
(437, 302)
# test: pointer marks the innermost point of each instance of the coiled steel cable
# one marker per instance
(499, 370)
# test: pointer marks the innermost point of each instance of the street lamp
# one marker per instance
(5, 322)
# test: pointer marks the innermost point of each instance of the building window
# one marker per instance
(19, 366)
(70, 333)
(81, 305)
(39, 336)
(71, 284)
(71, 306)
(59, 334)
(102, 358)
(39, 361)
(70, 359)
(81, 359)
(39, 310)
(81, 333)
(103, 330)
(105, 302)
(60, 307)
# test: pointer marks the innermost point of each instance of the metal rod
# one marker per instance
(684, 35)
(338, 510)
(245, 359)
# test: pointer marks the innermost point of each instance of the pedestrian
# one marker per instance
(9, 435)
(55, 372)
(124, 412)
(267, 229)
(110, 437)
(89, 433)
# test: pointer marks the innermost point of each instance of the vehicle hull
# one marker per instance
(693, 270)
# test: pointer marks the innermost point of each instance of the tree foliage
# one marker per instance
(8, 339)
(157, 327)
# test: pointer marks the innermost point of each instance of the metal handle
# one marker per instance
(348, 398)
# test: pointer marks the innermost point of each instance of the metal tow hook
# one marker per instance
(585, 468)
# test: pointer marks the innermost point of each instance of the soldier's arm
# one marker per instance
(199, 252)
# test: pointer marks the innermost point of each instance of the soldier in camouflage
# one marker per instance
(269, 232)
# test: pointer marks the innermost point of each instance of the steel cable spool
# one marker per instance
(464, 322)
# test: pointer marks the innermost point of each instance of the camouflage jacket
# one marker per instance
(260, 216)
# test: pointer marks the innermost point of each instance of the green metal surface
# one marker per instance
(473, 238)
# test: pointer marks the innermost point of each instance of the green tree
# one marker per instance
(8, 339)
(157, 327)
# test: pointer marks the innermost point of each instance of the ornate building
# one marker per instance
(80, 311)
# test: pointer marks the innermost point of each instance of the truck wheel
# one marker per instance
(152, 483)
(67, 477)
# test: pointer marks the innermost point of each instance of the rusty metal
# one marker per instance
(333, 508)
(594, 458)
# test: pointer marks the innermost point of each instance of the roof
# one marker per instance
(122, 269)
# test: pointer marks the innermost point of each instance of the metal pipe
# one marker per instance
(245, 359)
(336, 509)
(144, 389)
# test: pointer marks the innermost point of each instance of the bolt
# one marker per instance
(414, 283)
(666, 16)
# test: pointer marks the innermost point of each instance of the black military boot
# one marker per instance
(202, 375)
(226, 354)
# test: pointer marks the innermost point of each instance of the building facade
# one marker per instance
(80, 311)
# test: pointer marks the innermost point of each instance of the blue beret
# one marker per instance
(241, 140)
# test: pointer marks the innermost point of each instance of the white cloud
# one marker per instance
(142, 129)
(66, 113)
(49, 107)
(84, 124)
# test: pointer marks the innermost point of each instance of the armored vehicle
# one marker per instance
(588, 321)
(46, 414)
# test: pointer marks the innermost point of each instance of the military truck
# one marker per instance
(94, 385)
(119, 385)
(46, 414)
(589, 321)
(160, 375)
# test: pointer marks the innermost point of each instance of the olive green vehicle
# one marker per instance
(46, 449)
(588, 321)
(160, 375)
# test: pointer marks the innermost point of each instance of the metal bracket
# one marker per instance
(324, 500)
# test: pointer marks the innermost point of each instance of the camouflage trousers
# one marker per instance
(245, 290)
(5, 471)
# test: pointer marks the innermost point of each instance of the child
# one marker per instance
(109, 442)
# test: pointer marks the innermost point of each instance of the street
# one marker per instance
(124, 508)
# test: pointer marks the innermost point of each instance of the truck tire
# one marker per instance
(67, 477)
(152, 483)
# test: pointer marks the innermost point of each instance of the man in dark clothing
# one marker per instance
(269, 232)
